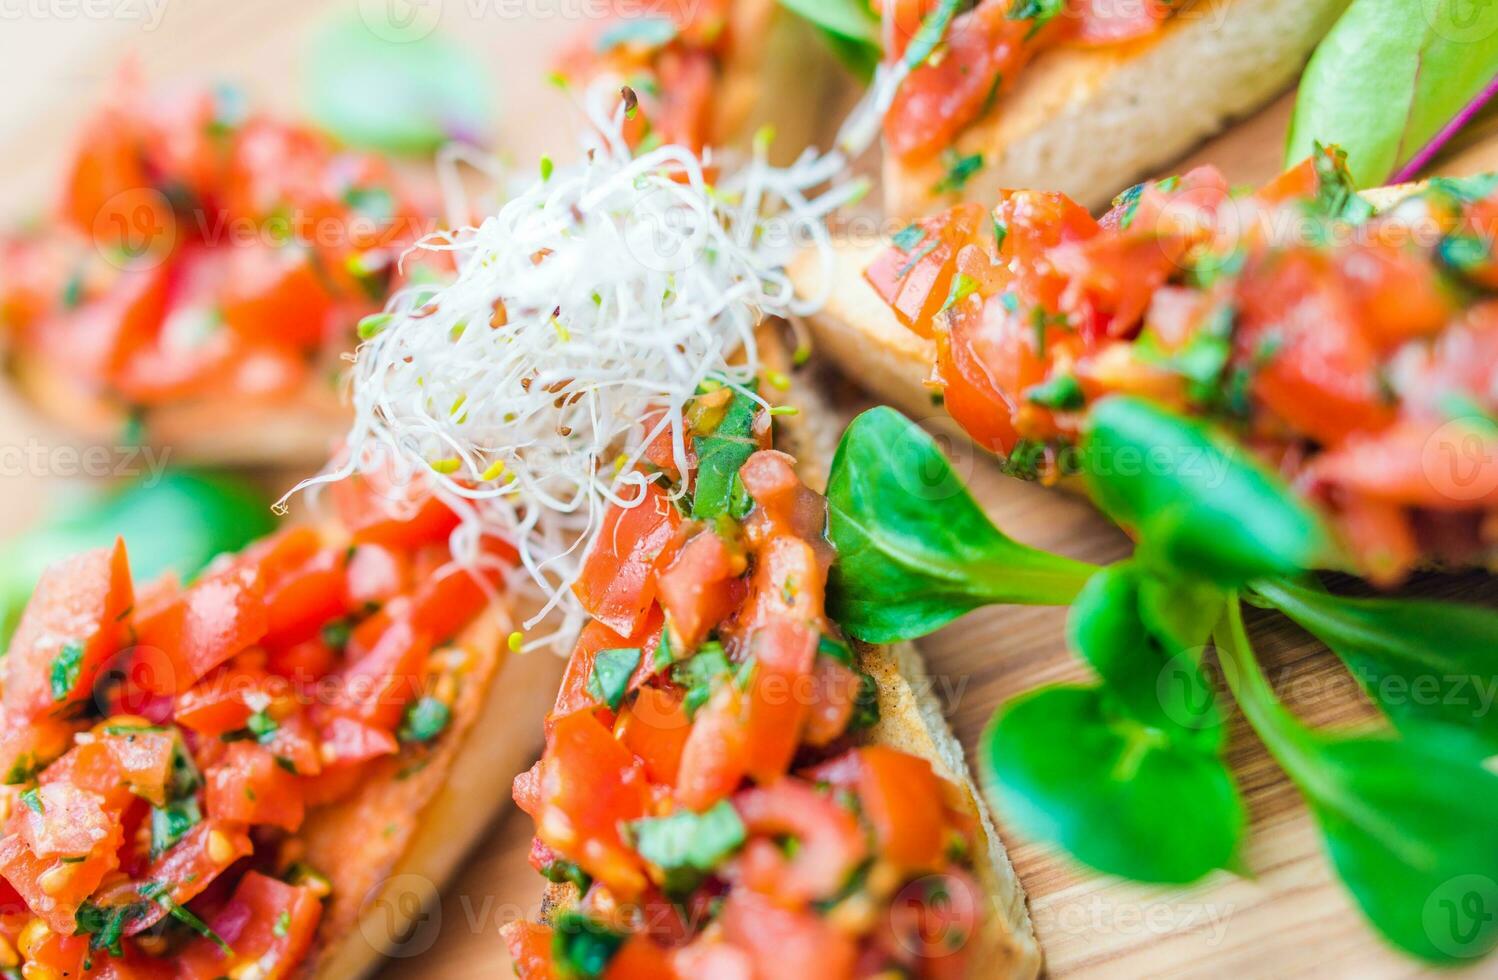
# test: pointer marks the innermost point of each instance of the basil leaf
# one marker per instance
(65, 670)
(400, 89)
(719, 456)
(915, 551)
(1389, 76)
(1163, 689)
(1419, 660)
(931, 32)
(1198, 502)
(170, 823)
(426, 718)
(582, 946)
(687, 845)
(700, 674)
(1068, 767)
(612, 670)
(175, 521)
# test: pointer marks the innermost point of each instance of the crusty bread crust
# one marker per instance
(910, 718)
(390, 847)
(1090, 121)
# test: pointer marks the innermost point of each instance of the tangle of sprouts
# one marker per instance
(584, 314)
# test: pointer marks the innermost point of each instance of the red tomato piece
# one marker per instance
(299, 602)
(375, 510)
(144, 759)
(268, 923)
(73, 624)
(701, 588)
(249, 786)
(530, 949)
(640, 958)
(778, 701)
(830, 842)
(1101, 22)
(618, 581)
(376, 574)
(221, 702)
(573, 695)
(345, 741)
(219, 616)
(376, 686)
(276, 292)
(446, 602)
(655, 727)
(192, 864)
(916, 280)
(590, 786)
(783, 942)
(713, 761)
(834, 693)
(65, 822)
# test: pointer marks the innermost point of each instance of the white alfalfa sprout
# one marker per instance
(584, 314)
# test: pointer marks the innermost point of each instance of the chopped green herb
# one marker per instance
(664, 656)
(643, 32)
(915, 258)
(1038, 12)
(612, 669)
(931, 32)
(701, 674)
(425, 719)
(687, 845)
(828, 646)
(562, 870)
(1000, 235)
(1062, 393)
(960, 170)
(283, 923)
(909, 237)
(962, 287)
(66, 667)
(33, 800)
(170, 823)
(720, 453)
(582, 946)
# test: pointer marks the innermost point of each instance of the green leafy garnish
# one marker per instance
(720, 453)
(1070, 766)
(848, 26)
(1407, 821)
(1423, 662)
(959, 170)
(425, 719)
(1389, 76)
(1197, 501)
(931, 32)
(700, 675)
(396, 88)
(582, 946)
(66, 667)
(914, 549)
(33, 800)
(170, 823)
(1038, 12)
(1062, 393)
(908, 238)
(687, 845)
(644, 32)
(612, 669)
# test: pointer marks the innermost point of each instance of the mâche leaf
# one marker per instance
(1389, 77)
(1200, 505)
(1407, 820)
(1070, 767)
(1420, 660)
(848, 26)
(914, 549)
(1163, 688)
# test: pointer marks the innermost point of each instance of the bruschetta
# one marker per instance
(241, 777)
(731, 788)
(709, 73)
(200, 277)
(1076, 97)
(1348, 340)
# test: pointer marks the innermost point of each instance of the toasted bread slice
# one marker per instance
(389, 847)
(1090, 121)
(910, 719)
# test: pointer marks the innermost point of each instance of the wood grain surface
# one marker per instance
(1285, 917)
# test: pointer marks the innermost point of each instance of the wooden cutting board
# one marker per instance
(1287, 917)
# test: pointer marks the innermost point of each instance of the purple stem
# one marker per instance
(1418, 162)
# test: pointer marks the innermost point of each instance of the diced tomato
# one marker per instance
(303, 662)
(73, 624)
(249, 786)
(684, 115)
(294, 744)
(446, 602)
(784, 942)
(530, 949)
(300, 601)
(62, 953)
(275, 291)
(915, 278)
(221, 702)
(25, 748)
(778, 701)
(902, 798)
(66, 821)
(267, 923)
(93, 768)
(345, 741)
(376, 686)
(829, 842)
(144, 759)
(834, 694)
(1103, 22)
(655, 727)
(210, 622)
(192, 864)
(375, 575)
(618, 581)
(109, 163)
(701, 588)
(67, 883)
(590, 785)
(574, 695)
(713, 761)
(984, 50)
(338, 780)
(96, 340)
(786, 505)
(984, 361)
(932, 924)
(1398, 294)
(640, 958)
(376, 510)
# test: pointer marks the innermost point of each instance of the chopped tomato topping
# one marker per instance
(634, 544)
(207, 624)
(267, 923)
